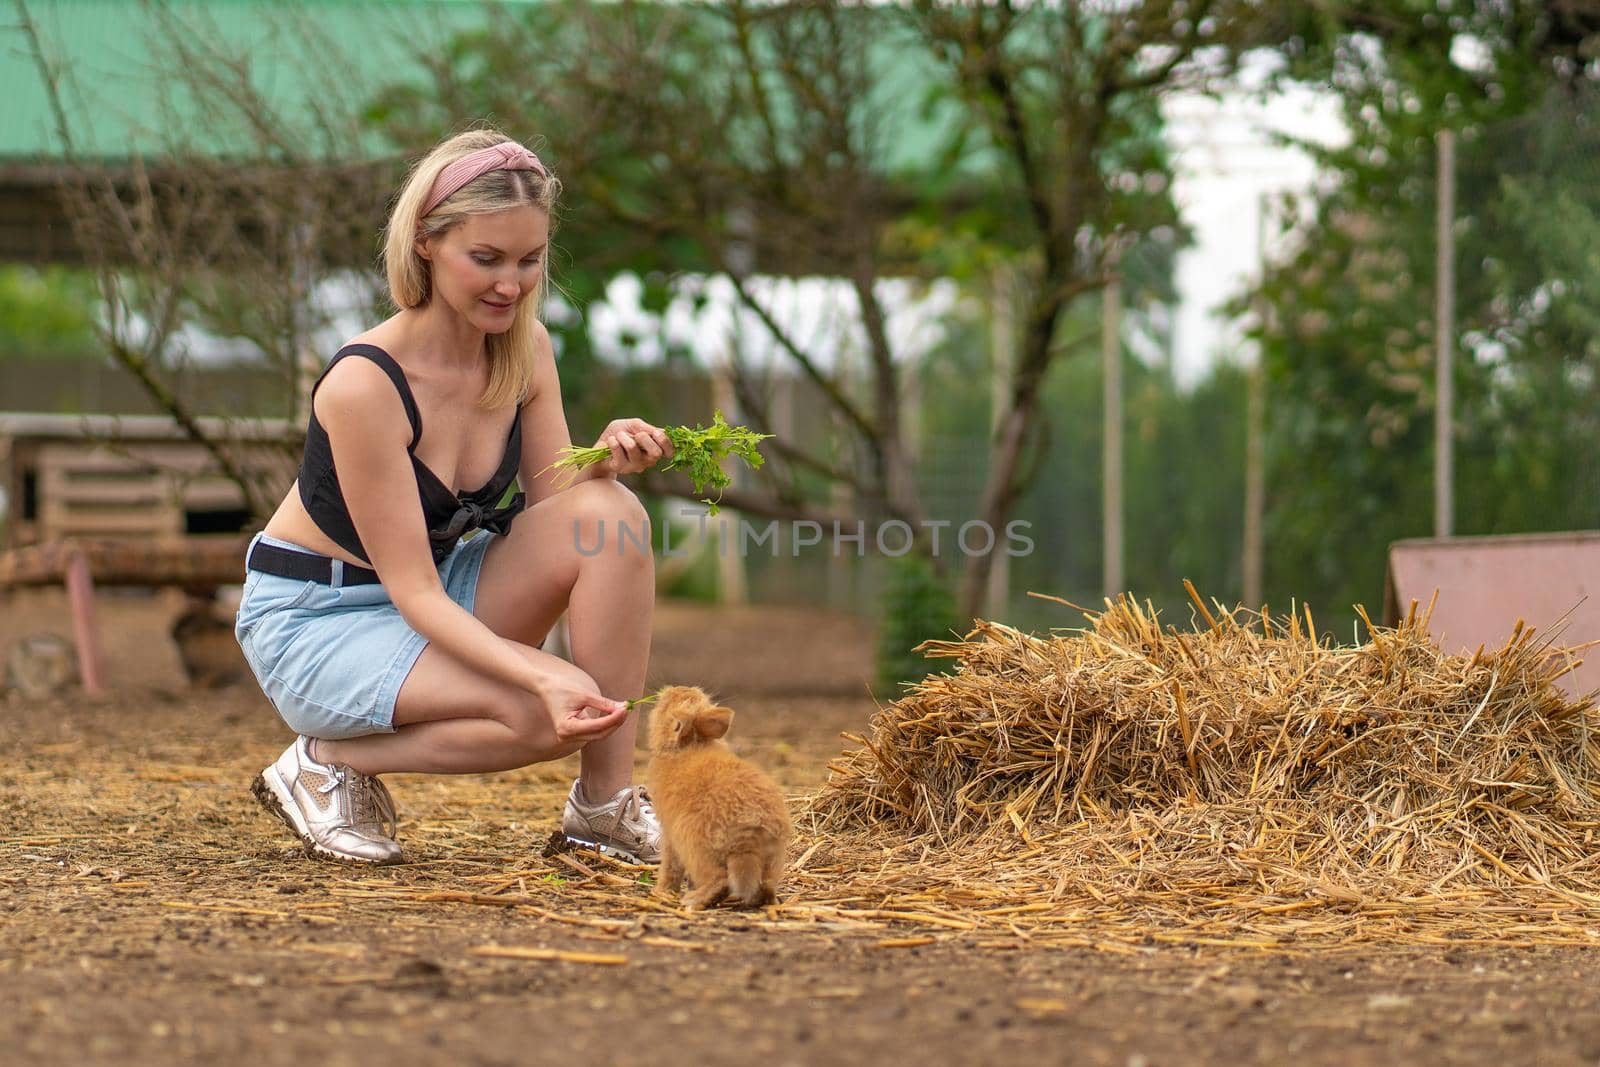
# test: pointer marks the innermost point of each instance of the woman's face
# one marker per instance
(487, 265)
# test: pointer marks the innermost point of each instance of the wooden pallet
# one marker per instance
(134, 477)
(88, 491)
(91, 491)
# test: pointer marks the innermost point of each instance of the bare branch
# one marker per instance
(801, 458)
(830, 387)
(739, 14)
(48, 73)
(752, 401)
(198, 240)
(1142, 31)
(748, 503)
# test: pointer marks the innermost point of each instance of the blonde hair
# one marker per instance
(511, 354)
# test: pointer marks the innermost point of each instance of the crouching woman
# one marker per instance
(394, 605)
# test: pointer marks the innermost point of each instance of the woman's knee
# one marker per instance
(533, 736)
(608, 519)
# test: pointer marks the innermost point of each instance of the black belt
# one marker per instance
(306, 566)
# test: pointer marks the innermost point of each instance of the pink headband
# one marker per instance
(507, 155)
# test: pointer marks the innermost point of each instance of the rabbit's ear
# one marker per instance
(713, 722)
(683, 730)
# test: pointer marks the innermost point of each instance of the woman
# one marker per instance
(385, 640)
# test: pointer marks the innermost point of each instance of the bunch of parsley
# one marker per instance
(698, 451)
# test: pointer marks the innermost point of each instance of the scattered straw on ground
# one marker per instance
(1118, 787)
(1247, 783)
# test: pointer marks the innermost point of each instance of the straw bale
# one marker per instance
(1249, 771)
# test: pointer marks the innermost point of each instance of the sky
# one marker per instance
(1227, 162)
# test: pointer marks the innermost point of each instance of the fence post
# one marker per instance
(1444, 340)
(733, 585)
(1002, 346)
(85, 628)
(1254, 474)
(1111, 424)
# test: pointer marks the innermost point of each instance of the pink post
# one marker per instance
(80, 593)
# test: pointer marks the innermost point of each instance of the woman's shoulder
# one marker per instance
(379, 337)
(541, 335)
(382, 345)
(357, 388)
(388, 335)
(544, 380)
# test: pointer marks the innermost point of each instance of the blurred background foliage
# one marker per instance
(1346, 320)
(46, 313)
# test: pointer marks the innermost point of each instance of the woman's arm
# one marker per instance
(368, 433)
(635, 444)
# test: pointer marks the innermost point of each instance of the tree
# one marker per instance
(1349, 345)
(1184, 457)
(741, 138)
(1065, 94)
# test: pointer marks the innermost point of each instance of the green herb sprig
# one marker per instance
(698, 451)
(629, 705)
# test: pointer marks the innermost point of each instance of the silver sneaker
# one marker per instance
(624, 827)
(338, 812)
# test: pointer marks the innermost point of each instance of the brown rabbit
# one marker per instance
(723, 821)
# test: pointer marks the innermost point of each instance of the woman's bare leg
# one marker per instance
(558, 556)
(453, 720)
(586, 550)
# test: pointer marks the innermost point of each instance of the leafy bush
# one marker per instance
(917, 605)
(46, 313)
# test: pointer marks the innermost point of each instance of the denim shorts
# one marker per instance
(332, 658)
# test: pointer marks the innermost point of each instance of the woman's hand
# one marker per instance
(635, 446)
(580, 714)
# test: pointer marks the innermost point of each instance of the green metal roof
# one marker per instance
(114, 56)
(123, 100)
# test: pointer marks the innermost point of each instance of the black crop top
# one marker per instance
(448, 516)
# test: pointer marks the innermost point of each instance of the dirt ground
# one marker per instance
(151, 914)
